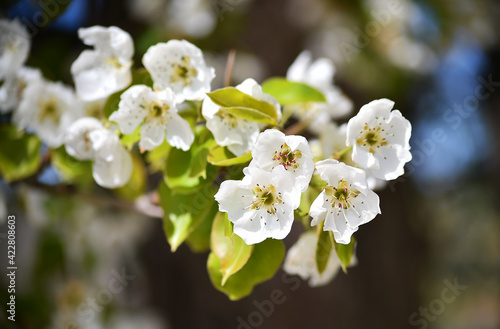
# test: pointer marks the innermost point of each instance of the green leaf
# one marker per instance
(177, 171)
(19, 153)
(72, 170)
(199, 239)
(323, 249)
(231, 250)
(157, 158)
(265, 260)
(232, 97)
(290, 92)
(345, 252)
(221, 156)
(187, 169)
(129, 140)
(142, 77)
(249, 114)
(136, 186)
(183, 213)
(112, 103)
(204, 141)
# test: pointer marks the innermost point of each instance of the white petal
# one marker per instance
(364, 158)
(14, 47)
(114, 173)
(301, 260)
(238, 138)
(179, 133)
(96, 78)
(47, 108)
(250, 227)
(100, 72)
(379, 107)
(297, 71)
(337, 223)
(132, 108)
(320, 73)
(163, 60)
(318, 211)
(152, 135)
(269, 145)
(390, 163)
(77, 140)
(268, 142)
(233, 199)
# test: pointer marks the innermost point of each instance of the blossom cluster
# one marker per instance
(328, 177)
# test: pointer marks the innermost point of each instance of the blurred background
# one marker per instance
(431, 260)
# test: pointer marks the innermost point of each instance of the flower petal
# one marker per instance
(179, 133)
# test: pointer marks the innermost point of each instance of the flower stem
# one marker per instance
(339, 154)
(296, 128)
(229, 67)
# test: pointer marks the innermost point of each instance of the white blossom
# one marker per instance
(112, 165)
(106, 69)
(192, 17)
(47, 108)
(260, 205)
(77, 138)
(156, 112)
(318, 74)
(180, 66)
(273, 148)
(88, 139)
(14, 47)
(11, 91)
(346, 202)
(332, 140)
(237, 134)
(301, 260)
(380, 139)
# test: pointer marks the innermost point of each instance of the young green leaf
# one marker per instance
(265, 260)
(290, 92)
(323, 248)
(199, 239)
(221, 156)
(129, 140)
(231, 250)
(72, 170)
(157, 158)
(178, 168)
(345, 252)
(19, 153)
(250, 114)
(183, 213)
(232, 97)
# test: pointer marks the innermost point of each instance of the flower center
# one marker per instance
(287, 158)
(157, 111)
(341, 195)
(266, 198)
(228, 119)
(183, 71)
(371, 138)
(115, 62)
(94, 111)
(49, 111)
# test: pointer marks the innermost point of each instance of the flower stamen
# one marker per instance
(287, 158)
(266, 198)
